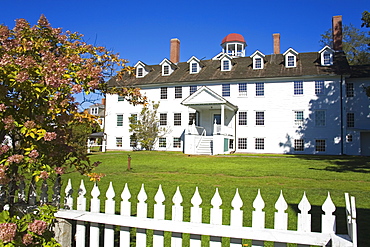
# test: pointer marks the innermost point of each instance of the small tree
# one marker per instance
(145, 129)
(41, 68)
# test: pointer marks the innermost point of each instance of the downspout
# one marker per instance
(341, 116)
(235, 130)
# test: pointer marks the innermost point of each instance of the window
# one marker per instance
(231, 143)
(225, 90)
(118, 142)
(350, 90)
(162, 142)
(299, 145)
(327, 58)
(260, 118)
(166, 69)
(193, 89)
(242, 89)
(350, 120)
(349, 138)
(94, 111)
(176, 142)
(291, 61)
(320, 145)
(298, 118)
(243, 118)
(319, 87)
(120, 120)
(194, 68)
(242, 143)
(320, 118)
(260, 143)
(177, 119)
(121, 98)
(140, 72)
(192, 118)
(133, 118)
(163, 92)
(225, 65)
(260, 89)
(178, 92)
(133, 141)
(258, 63)
(163, 119)
(298, 87)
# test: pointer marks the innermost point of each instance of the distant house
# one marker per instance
(98, 110)
(97, 139)
(291, 102)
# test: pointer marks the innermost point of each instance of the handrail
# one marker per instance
(201, 137)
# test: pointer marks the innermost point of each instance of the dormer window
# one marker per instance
(141, 69)
(167, 68)
(226, 65)
(194, 66)
(257, 58)
(290, 58)
(326, 56)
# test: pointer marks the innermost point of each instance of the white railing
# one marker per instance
(257, 232)
(203, 133)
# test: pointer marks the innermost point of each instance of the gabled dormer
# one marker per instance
(167, 67)
(141, 69)
(326, 56)
(226, 62)
(258, 60)
(194, 65)
(290, 57)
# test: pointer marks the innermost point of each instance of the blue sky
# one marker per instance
(141, 30)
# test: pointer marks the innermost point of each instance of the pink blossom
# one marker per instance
(4, 149)
(9, 122)
(60, 170)
(7, 232)
(49, 136)
(38, 227)
(29, 124)
(16, 158)
(44, 175)
(34, 154)
(27, 239)
(3, 178)
(2, 107)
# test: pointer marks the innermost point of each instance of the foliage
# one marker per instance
(366, 19)
(354, 44)
(145, 129)
(41, 68)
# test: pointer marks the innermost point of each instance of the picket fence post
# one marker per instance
(94, 208)
(236, 217)
(177, 215)
(80, 225)
(159, 213)
(142, 212)
(109, 209)
(125, 211)
(196, 217)
(258, 217)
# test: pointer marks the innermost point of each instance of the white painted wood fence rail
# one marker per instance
(280, 235)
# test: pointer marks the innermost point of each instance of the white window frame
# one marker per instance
(194, 68)
(320, 121)
(162, 142)
(298, 145)
(119, 122)
(243, 118)
(177, 119)
(119, 140)
(243, 89)
(298, 117)
(318, 148)
(226, 92)
(178, 92)
(223, 65)
(290, 57)
(260, 118)
(163, 119)
(94, 110)
(259, 143)
(177, 140)
(192, 89)
(260, 89)
(326, 56)
(242, 143)
(319, 87)
(298, 88)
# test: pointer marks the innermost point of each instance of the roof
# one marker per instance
(308, 64)
(360, 71)
(233, 37)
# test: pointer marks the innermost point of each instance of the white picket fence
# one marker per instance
(280, 235)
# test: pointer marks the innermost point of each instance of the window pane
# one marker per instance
(350, 90)
(242, 143)
(225, 90)
(192, 118)
(258, 63)
(260, 89)
(139, 72)
(226, 65)
(298, 117)
(260, 143)
(243, 118)
(162, 142)
(177, 119)
(319, 87)
(242, 89)
(320, 146)
(163, 92)
(350, 120)
(298, 87)
(178, 92)
(163, 119)
(260, 118)
(121, 98)
(320, 118)
(194, 67)
(176, 142)
(118, 142)
(133, 141)
(193, 89)
(119, 120)
(291, 61)
(299, 145)
(166, 69)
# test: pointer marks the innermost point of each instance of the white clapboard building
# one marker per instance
(290, 102)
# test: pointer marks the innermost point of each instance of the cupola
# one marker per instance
(234, 45)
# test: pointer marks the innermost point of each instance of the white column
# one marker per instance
(222, 119)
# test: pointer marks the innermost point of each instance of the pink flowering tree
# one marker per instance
(41, 69)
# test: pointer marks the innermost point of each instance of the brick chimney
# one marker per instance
(337, 33)
(103, 101)
(175, 50)
(276, 37)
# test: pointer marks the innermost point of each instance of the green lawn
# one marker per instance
(316, 175)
